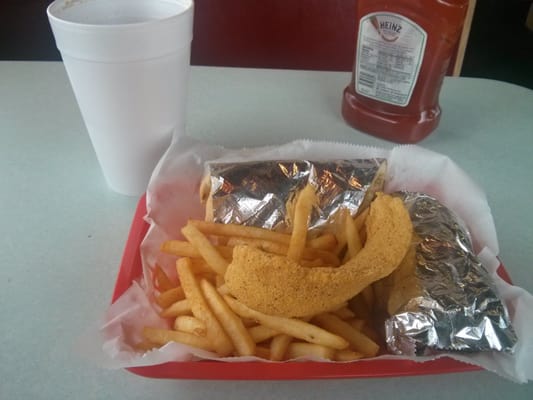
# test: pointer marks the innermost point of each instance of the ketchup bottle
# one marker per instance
(402, 54)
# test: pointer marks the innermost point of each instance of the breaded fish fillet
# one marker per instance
(276, 285)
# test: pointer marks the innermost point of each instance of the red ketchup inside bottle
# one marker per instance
(403, 50)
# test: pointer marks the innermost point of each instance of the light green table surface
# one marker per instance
(62, 231)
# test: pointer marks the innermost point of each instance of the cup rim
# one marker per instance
(51, 11)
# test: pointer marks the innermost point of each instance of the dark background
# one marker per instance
(500, 46)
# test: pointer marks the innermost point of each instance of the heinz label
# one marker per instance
(390, 50)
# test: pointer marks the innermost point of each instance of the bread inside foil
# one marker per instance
(441, 298)
(262, 193)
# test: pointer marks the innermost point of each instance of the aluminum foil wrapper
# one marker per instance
(260, 193)
(449, 301)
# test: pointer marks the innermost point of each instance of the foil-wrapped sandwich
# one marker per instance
(262, 193)
(441, 298)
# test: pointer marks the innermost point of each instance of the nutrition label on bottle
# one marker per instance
(390, 50)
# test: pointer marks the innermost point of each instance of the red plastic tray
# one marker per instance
(130, 269)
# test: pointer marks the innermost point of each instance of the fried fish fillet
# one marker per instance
(276, 285)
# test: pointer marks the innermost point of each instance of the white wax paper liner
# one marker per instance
(172, 199)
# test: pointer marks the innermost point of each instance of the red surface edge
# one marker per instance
(131, 265)
(131, 269)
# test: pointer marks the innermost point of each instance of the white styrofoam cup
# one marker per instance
(128, 63)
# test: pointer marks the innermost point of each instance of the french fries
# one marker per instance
(301, 349)
(358, 341)
(304, 206)
(347, 355)
(206, 249)
(327, 242)
(262, 352)
(190, 324)
(232, 324)
(163, 336)
(290, 326)
(211, 228)
(186, 249)
(161, 280)
(169, 297)
(344, 313)
(260, 333)
(215, 333)
(203, 313)
(180, 307)
(279, 346)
